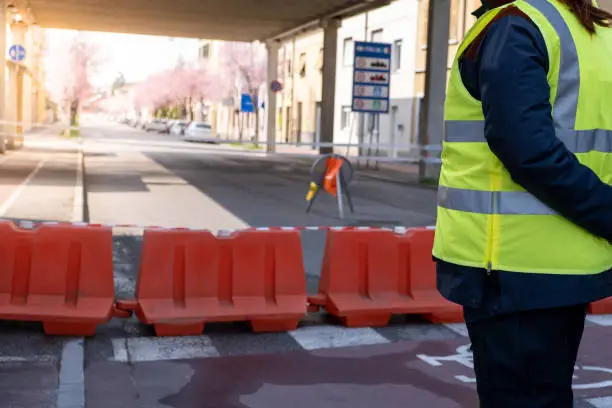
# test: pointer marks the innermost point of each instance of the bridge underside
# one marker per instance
(233, 20)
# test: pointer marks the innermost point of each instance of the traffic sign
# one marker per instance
(246, 103)
(371, 77)
(17, 52)
(276, 86)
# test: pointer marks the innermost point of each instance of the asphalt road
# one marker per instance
(147, 179)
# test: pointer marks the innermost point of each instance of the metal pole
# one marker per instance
(339, 195)
(362, 120)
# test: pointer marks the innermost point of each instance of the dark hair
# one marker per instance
(588, 14)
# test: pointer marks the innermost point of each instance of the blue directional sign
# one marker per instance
(246, 103)
(17, 52)
(371, 77)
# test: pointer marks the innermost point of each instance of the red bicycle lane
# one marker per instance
(430, 374)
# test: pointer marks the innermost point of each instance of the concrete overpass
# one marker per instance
(268, 21)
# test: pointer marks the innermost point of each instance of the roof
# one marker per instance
(232, 20)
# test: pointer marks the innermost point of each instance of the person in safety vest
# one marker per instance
(524, 224)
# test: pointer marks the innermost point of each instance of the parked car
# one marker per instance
(200, 132)
(177, 128)
(156, 125)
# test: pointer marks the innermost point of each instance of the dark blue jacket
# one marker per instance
(507, 73)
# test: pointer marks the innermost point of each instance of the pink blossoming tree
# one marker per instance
(71, 61)
(179, 87)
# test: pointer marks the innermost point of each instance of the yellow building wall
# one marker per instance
(300, 66)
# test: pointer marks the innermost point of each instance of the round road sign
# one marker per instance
(17, 52)
(276, 86)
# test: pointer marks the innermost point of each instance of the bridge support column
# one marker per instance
(431, 121)
(328, 93)
(270, 108)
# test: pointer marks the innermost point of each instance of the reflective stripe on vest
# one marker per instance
(576, 141)
(492, 202)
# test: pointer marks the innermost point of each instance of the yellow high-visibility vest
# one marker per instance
(485, 219)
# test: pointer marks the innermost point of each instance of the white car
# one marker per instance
(156, 125)
(200, 132)
(178, 127)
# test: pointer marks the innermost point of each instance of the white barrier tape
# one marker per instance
(28, 224)
(316, 145)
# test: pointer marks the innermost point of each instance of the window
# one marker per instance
(397, 55)
(347, 52)
(205, 51)
(376, 36)
(345, 119)
(302, 66)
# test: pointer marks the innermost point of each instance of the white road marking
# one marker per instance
(120, 350)
(601, 402)
(6, 205)
(459, 328)
(140, 349)
(30, 359)
(602, 320)
(71, 390)
(322, 337)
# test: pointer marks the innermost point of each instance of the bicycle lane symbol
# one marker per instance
(464, 357)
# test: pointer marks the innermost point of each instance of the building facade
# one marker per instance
(390, 134)
(25, 95)
(298, 105)
(300, 70)
(403, 24)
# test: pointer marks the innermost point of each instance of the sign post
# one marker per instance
(371, 81)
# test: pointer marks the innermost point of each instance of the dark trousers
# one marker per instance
(526, 359)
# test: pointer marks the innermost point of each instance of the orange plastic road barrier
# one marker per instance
(603, 306)
(369, 275)
(60, 275)
(189, 278)
(330, 182)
